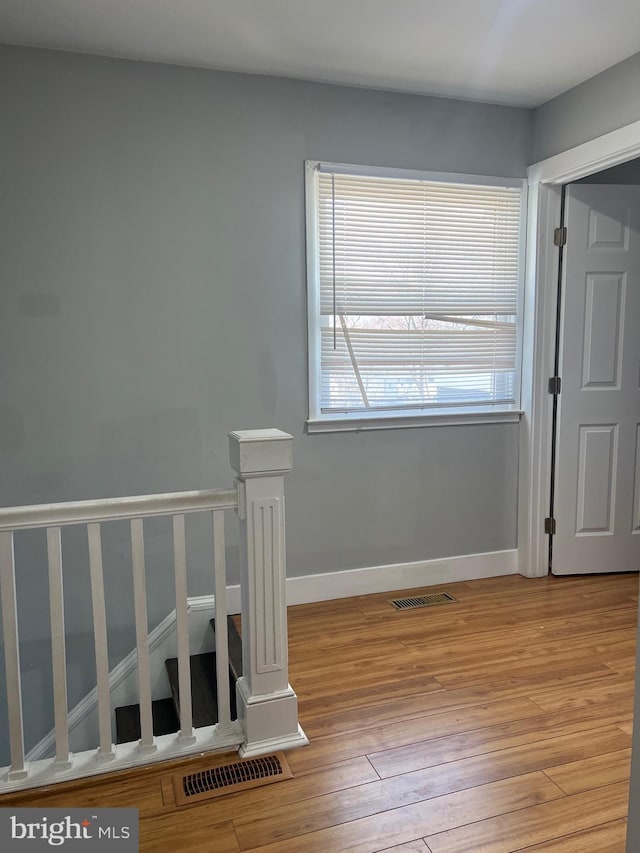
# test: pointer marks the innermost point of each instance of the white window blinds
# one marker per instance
(418, 292)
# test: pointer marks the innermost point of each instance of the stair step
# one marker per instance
(203, 688)
(165, 720)
(203, 693)
(235, 646)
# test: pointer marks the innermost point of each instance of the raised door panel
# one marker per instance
(597, 455)
(602, 341)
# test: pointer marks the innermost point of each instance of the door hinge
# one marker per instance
(555, 384)
(560, 236)
(550, 526)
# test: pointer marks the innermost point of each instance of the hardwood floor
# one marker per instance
(499, 723)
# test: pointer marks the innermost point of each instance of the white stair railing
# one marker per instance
(267, 706)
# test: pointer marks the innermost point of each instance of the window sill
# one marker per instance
(406, 420)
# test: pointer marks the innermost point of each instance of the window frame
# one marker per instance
(318, 421)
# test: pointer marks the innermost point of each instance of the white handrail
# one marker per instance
(111, 509)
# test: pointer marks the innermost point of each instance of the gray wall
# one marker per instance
(153, 298)
(604, 103)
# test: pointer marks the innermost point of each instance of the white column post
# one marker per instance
(267, 706)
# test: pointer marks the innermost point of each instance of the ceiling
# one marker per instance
(520, 52)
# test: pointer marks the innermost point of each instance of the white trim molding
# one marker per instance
(534, 474)
(597, 154)
(396, 576)
(361, 422)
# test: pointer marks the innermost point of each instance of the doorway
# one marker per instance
(594, 521)
(540, 314)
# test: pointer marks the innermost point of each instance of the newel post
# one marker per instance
(267, 705)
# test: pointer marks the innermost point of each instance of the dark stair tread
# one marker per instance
(165, 720)
(204, 702)
(235, 646)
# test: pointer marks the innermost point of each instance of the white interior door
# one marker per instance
(597, 474)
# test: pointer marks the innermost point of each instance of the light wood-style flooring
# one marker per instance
(496, 724)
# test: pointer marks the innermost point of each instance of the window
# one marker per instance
(413, 296)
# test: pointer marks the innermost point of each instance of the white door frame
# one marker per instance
(545, 181)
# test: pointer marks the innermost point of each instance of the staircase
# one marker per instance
(166, 712)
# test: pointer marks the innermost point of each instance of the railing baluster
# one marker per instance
(147, 743)
(18, 769)
(222, 639)
(58, 652)
(105, 750)
(182, 628)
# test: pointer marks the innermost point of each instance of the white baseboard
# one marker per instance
(328, 585)
(300, 590)
(303, 590)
